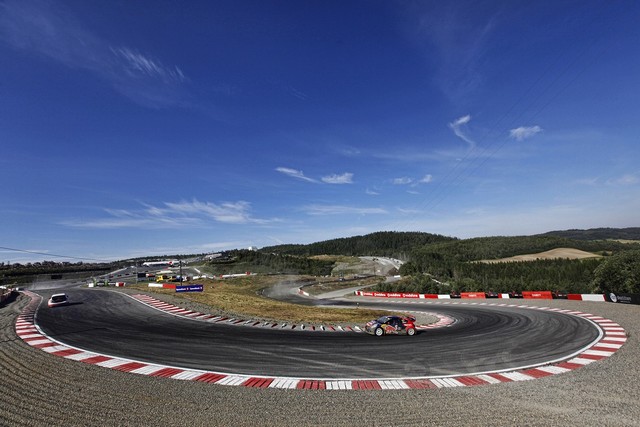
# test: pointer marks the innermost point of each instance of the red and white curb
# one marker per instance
(613, 337)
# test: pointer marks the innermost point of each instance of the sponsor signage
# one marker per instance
(622, 298)
(189, 288)
(537, 295)
(472, 295)
(410, 295)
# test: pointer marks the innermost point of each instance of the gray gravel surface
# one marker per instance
(37, 389)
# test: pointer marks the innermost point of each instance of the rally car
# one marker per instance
(392, 325)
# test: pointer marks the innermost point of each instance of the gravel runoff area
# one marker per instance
(37, 389)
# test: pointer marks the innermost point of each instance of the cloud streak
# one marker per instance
(458, 127)
(294, 173)
(405, 180)
(174, 215)
(522, 133)
(345, 178)
(50, 31)
(137, 64)
(342, 210)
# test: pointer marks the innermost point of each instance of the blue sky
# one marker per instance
(147, 128)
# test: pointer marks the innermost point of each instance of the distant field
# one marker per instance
(564, 253)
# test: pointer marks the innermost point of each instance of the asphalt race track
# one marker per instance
(484, 338)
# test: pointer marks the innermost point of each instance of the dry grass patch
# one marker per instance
(559, 253)
(241, 297)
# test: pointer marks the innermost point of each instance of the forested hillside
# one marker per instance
(632, 233)
(384, 243)
(445, 267)
(259, 262)
(485, 248)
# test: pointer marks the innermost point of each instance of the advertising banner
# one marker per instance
(189, 288)
(537, 295)
(410, 295)
(480, 295)
(622, 298)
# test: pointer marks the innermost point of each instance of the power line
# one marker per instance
(52, 255)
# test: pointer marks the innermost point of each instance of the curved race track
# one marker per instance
(484, 338)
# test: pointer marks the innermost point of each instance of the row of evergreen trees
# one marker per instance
(261, 262)
(383, 243)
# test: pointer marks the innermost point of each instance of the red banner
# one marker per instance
(410, 295)
(537, 295)
(472, 295)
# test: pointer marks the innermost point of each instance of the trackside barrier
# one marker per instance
(473, 295)
(396, 295)
(537, 295)
(586, 297)
(480, 295)
(162, 285)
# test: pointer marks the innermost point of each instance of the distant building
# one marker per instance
(252, 248)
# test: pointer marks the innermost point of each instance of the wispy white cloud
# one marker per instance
(294, 173)
(405, 180)
(137, 64)
(288, 89)
(173, 215)
(619, 181)
(426, 179)
(51, 31)
(454, 38)
(227, 212)
(342, 210)
(627, 179)
(523, 132)
(345, 178)
(458, 127)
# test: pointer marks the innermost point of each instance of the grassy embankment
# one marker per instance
(241, 297)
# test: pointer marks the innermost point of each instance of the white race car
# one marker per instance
(58, 299)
